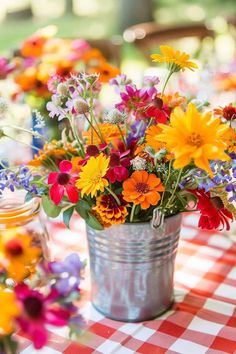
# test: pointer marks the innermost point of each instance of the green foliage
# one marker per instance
(67, 214)
(49, 207)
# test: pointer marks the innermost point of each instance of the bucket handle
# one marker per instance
(157, 219)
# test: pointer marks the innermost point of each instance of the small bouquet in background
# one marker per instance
(33, 296)
(43, 56)
(152, 154)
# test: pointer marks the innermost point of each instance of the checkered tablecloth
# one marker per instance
(202, 320)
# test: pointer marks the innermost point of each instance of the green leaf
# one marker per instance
(93, 222)
(82, 208)
(28, 197)
(67, 214)
(49, 207)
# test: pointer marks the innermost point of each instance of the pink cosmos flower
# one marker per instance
(37, 311)
(133, 99)
(118, 166)
(5, 67)
(63, 182)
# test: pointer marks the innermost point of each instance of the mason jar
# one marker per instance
(24, 218)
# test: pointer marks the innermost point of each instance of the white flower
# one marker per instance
(115, 116)
(4, 106)
(138, 163)
(40, 122)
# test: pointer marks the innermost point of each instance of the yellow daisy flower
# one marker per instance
(9, 311)
(17, 255)
(193, 136)
(176, 59)
(91, 177)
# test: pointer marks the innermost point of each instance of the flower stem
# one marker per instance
(27, 131)
(72, 124)
(114, 195)
(132, 212)
(176, 186)
(21, 142)
(167, 79)
(92, 127)
(122, 135)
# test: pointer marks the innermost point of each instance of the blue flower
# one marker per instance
(68, 274)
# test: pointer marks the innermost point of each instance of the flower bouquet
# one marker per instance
(42, 57)
(130, 174)
(33, 296)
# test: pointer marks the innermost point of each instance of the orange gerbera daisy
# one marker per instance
(177, 60)
(9, 311)
(109, 211)
(110, 133)
(93, 57)
(57, 150)
(33, 46)
(105, 71)
(142, 188)
(173, 100)
(17, 255)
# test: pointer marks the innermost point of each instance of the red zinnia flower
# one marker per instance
(37, 311)
(63, 182)
(118, 166)
(214, 215)
(158, 111)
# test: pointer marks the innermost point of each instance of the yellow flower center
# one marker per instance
(195, 140)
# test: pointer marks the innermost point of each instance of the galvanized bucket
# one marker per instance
(132, 268)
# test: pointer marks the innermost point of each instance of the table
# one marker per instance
(202, 320)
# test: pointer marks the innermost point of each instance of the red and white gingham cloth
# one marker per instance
(202, 320)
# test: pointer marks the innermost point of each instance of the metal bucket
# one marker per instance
(132, 268)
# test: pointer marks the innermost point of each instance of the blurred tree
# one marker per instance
(132, 12)
(69, 6)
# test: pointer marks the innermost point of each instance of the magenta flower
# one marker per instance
(118, 166)
(134, 100)
(38, 311)
(5, 67)
(63, 182)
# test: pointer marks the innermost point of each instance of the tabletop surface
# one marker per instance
(202, 320)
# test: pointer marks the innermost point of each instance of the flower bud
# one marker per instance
(114, 116)
(62, 89)
(4, 106)
(81, 106)
(138, 163)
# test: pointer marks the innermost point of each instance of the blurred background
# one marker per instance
(127, 32)
(96, 19)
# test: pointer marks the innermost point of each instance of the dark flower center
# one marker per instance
(92, 150)
(33, 306)
(229, 112)
(217, 202)
(14, 248)
(63, 178)
(142, 187)
(158, 103)
(114, 160)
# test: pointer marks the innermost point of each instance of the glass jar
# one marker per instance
(24, 218)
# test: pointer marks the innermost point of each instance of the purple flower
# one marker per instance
(53, 82)
(21, 178)
(119, 82)
(68, 274)
(150, 82)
